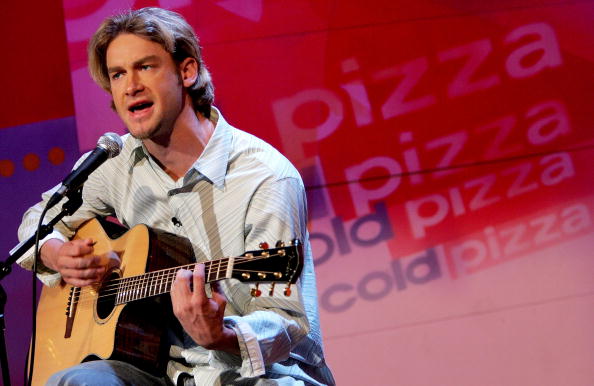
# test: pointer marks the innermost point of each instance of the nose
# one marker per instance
(134, 84)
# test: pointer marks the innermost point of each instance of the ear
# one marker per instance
(188, 71)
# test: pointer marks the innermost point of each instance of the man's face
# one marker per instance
(145, 85)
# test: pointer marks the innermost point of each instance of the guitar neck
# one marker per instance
(159, 282)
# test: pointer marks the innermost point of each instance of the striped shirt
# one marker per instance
(238, 193)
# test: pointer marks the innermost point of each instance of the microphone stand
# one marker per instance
(74, 202)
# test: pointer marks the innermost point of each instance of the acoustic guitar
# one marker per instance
(127, 315)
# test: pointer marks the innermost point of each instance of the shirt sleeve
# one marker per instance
(270, 326)
(64, 229)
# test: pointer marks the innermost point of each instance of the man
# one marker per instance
(185, 170)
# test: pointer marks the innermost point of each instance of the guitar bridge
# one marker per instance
(71, 310)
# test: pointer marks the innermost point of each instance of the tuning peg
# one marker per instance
(255, 292)
(280, 244)
(263, 245)
(271, 291)
(287, 290)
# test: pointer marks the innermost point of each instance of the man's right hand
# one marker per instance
(75, 261)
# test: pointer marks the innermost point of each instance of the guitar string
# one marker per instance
(132, 293)
(156, 288)
(214, 265)
(131, 287)
(150, 284)
(132, 281)
(211, 265)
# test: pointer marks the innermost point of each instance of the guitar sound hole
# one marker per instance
(107, 295)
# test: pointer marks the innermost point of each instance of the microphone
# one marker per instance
(108, 146)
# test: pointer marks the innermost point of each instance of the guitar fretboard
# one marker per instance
(159, 282)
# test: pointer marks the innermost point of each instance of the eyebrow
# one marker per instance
(144, 59)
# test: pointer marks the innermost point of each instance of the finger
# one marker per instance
(78, 248)
(180, 292)
(80, 263)
(94, 274)
(80, 281)
(181, 284)
(198, 282)
(88, 242)
(217, 293)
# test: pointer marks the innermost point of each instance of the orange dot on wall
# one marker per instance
(31, 162)
(56, 155)
(6, 168)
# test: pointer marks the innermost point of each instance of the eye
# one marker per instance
(116, 75)
(146, 67)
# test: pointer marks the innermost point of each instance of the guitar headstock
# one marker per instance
(282, 264)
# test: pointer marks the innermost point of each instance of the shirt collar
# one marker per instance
(213, 161)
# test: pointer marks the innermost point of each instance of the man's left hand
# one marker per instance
(201, 316)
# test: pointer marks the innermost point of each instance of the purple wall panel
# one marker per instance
(33, 158)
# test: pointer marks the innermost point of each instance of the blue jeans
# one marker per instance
(116, 373)
(103, 373)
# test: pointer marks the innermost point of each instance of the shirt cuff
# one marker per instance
(47, 276)
(252, 362)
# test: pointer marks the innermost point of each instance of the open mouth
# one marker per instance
(137, 107)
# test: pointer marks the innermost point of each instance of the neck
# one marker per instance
(177, 151)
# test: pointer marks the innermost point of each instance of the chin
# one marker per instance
(141, 131)
(140, 134)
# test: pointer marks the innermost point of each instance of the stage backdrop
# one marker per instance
(446, 148)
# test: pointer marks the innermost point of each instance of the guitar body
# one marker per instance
(128, 316)
(75, 325)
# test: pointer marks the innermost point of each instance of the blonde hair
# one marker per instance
(167, 28)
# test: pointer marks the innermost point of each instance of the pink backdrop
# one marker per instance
(446, 147)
